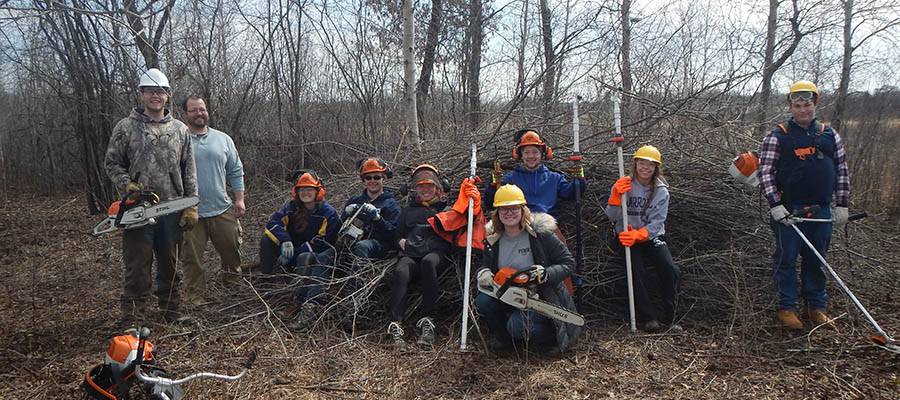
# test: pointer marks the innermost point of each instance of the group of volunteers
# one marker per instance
(802, 163)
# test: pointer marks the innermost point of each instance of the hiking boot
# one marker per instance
(396, 332)
(675, 329)
(426, 336)
(789, 319)
(309, 313)
(819, 317)
(651, 327)
(288, 313)
(354, 320)
(175, 317)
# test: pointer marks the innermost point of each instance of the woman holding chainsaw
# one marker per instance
(648, 206)
(300, 238)
(518, 243)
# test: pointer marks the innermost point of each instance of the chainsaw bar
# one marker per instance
(521, 298)
(142, 215)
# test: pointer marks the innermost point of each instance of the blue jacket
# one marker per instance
(384, 229)
(812, 179)
(320, 233)
(542, 188)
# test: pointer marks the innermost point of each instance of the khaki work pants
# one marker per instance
(139, 247)
(224, 231)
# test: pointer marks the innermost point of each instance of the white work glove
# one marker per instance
(485, 278)
(839, 215)
(782, 215)
(371, 212)
(350, 209)
(287, 249)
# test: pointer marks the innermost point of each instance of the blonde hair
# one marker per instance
(523, 223)
(657, 176)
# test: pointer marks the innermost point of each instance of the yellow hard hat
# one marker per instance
(804, 86)
(648, 152)
(509, 195)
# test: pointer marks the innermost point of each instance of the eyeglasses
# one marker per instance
(802, 95)
(196, 110)
(509, 210)
(157, 92)
(373, 177)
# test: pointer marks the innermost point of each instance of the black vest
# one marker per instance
(806, 172)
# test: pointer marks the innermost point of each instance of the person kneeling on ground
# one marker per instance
(648, 201)
(521, 240)
(300, 238)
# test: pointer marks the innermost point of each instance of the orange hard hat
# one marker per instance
(426, 173)
(309, 179)
(530, 137)
(373, 164)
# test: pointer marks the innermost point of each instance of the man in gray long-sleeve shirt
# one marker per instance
(150, 149)
(217, 162)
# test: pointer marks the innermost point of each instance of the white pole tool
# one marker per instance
(618, 139)
(467, 273)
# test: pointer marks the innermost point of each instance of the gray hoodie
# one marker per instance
(652, 217)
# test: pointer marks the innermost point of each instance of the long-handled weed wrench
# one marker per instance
(881, 338)
(471, 217)
(576, 160)
(618, 139)
(165, 388)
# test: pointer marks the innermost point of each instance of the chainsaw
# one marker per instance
(140, 212)
(354, 225)
(514, 288)
(132, 355)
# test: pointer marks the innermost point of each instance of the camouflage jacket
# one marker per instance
(157, 154)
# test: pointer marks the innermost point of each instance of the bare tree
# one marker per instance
(409, 72)
(473, 67)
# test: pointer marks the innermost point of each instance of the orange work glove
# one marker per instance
(622, 186)
(631, 236)
(468, 190)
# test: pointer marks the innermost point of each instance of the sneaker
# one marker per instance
(651, 327)
(788, 319)
(675, 329)
(819, 317)
(309, 313)
(426, 337)
(396, 332)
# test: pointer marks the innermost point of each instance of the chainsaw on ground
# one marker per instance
(131, 356)
(516, 289)
(142, 211)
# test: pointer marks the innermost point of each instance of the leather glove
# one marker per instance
(350, 209)
(782, 215)
(287, 249)
(133, 190)
(496, 178)
(622, 186)
(189, 218)
(485, 278)
(371, 212)
(839, 214)
(631, 236)
(577, 172)
(537, 274)
(468, 190)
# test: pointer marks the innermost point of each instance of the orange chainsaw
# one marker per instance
(517, 288)
(140, 212)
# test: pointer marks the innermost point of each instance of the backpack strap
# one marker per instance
(783, 129)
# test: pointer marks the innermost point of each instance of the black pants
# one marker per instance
(656, 252)
(408, 269)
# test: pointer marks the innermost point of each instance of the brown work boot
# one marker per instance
(819, 317)
(789, 319)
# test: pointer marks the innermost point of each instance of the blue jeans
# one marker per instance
(509, 323)
(363, 251)
(316, 270)
(788, 245)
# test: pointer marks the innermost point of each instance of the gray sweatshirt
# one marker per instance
(653, 217)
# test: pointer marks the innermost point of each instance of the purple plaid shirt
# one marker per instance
(768, 159)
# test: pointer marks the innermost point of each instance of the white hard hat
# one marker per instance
(154, 78)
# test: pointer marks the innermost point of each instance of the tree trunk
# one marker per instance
(473, 69)
(409, 72)
(846, 61)
(627, 84)
(549, 91)
(520, 56)
(770, 64)
(431, 41)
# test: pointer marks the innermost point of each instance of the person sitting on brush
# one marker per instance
(648, 206)
(300, 238)
(422, 250)
(523, 241)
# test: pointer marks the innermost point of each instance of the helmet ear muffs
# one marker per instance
(316, 183)
(548, 151)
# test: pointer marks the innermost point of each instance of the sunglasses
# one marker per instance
(804, 95)
(373, 177)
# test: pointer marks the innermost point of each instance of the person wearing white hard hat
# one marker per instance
(802, 163)
(151, 150)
